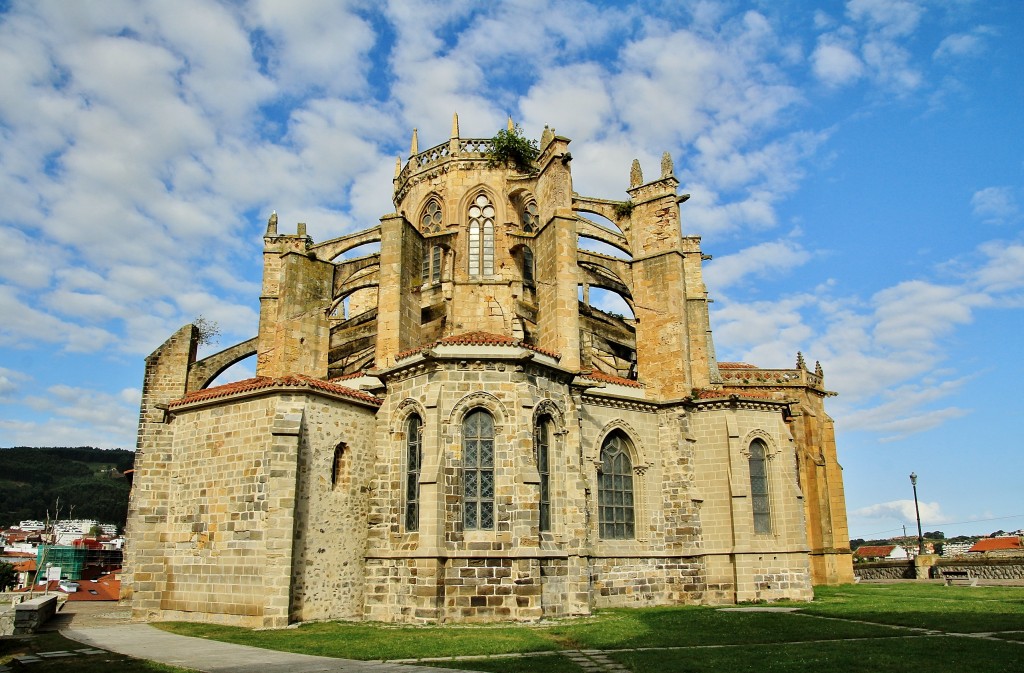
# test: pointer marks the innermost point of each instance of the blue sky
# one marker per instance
(856, 171)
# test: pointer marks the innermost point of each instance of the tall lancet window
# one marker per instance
(481, 237)
(760, 498)
(413, 461)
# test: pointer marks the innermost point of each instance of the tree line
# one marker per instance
(88, 483)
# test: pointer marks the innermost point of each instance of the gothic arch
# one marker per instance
(403, 411)
(477, 400)
(639, 456)
(772, 448)
(437, 218)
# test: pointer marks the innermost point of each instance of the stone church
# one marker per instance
(446, 429)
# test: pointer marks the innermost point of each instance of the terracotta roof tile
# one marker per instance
(996, 544)
(874, 551)
(346, 377)
(261, 382)
(736, 365)
(478, 339)
(597, 375)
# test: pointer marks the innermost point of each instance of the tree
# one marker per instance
(935, 535)
(8, 576)
(510, 148)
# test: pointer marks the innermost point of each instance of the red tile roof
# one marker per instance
(875, 551)
(996, 544)
(736, 365)
(25, 566)
(106, 589)
(261, 382)
(477, 339)
(596, 375)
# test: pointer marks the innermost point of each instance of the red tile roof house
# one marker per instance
(1009, 546)
(879, 552)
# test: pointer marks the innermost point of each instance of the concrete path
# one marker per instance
(147, 642)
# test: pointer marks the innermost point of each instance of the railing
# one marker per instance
(772, 377)
(468, 148)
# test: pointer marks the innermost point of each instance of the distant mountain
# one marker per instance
(89, 483)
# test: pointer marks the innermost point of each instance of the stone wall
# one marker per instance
(336, 461)
(986, 569)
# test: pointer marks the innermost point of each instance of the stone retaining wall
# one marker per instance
(986, 569)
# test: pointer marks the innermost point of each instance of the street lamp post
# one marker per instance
(917, 511)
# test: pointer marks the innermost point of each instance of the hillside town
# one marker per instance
(78, 559)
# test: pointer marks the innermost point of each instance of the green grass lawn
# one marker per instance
(854, 627)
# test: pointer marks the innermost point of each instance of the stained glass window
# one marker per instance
(760, 502)
(541, 447)
(430, 221)
(615, 489)
(478, 470)
(413, 462)
(481, 237)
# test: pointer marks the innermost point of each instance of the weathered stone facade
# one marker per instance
(443, 431)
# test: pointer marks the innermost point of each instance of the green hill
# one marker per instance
(83, 478)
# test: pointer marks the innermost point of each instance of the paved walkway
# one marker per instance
(107, 627)
(147, 642)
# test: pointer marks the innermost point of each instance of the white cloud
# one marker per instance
(836, 65)
(893, 18)
(10, 382)
(995, 205)
(770, 258)
(931, 512)
(79, 416)
(958, 45)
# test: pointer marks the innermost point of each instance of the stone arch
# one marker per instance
(401, 414)
(639, 456)
(202, 372)
(477, 400)
(772, 448)
(550, 408)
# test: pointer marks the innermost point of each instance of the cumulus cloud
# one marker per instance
(995, 205)
(931, 512)
(773, 257)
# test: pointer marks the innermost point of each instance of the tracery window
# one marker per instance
(615, 489)
(478, 471)
(760, 502)
(531, 220)
(481, 237)
(430, 220)
(541, 449)
(413, 463)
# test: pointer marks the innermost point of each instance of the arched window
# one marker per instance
(481, 237)
(527, 265)
(541, 450)
(413, 462)
(531, 219)
(760, 502)
(338, 465)
(615, 489)
(430, 220)
(478, 471)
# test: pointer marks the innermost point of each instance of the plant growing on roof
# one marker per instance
(509, 147)
(623, 208)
